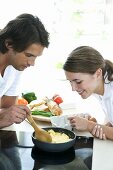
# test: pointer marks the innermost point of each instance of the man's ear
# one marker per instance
(8, 44)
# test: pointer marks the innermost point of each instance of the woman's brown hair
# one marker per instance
(85, 59)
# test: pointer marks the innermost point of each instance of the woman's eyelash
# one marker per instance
(76, 82)
(79, 82)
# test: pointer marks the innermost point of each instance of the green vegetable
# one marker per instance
(42, 113)
(29, 96)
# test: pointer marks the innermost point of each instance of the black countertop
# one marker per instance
(17, 152)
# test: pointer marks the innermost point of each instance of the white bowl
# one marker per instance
(61, 121)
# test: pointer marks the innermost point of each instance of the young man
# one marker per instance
(22, 40)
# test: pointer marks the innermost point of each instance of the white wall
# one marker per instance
(43, 78)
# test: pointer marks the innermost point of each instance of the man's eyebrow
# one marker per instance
(29, 53)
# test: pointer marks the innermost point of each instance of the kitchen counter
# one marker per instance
(102, 150)
(102, 155)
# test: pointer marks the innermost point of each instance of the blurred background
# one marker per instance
(71, 23)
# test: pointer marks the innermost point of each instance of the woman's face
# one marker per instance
(26, 58)
(85, 84)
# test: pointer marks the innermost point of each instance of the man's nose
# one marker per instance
(31, 62)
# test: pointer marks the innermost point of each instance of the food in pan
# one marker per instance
(58, 137)
(56, 147)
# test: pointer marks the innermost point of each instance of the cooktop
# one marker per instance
(17, 152)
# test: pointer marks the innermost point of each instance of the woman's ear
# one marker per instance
(99, 72)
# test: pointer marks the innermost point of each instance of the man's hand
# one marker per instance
(13, 114)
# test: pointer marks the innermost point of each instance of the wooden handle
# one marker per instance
(32, 122)
(40, 134)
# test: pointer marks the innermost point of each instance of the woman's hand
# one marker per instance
(87, 116)
(78, 122)
(13, 114)
(98, 132)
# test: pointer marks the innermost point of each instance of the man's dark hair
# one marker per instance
(23, 31)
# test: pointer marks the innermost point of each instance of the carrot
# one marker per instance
(22, 101)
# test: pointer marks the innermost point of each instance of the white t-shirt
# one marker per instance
(9, 83)
(106, 101)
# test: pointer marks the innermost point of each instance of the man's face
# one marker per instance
(26, 58)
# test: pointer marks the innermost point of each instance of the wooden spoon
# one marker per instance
(40, 134)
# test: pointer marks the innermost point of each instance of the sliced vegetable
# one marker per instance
(22, 101)
(57, 99)
(29, 96)
(42, 113)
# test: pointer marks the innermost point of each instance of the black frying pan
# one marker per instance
(53, 158)
(55, 147)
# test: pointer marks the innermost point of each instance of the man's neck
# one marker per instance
(3, 63)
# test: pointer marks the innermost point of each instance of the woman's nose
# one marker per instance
(74, 86)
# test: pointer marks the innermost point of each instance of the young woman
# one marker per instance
(22, 40)
(89, 73)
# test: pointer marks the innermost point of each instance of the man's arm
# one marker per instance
(7, 101)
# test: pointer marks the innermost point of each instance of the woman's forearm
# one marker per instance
(107, 130)
(91, 125)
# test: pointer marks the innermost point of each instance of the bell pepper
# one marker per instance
(29, 96)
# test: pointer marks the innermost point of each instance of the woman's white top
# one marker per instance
(106, 101)
(9, 83)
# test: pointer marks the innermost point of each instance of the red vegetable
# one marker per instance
(22, 101)
(57, 99)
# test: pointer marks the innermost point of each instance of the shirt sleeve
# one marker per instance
(15, 88)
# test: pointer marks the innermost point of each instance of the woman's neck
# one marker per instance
(100, 90)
